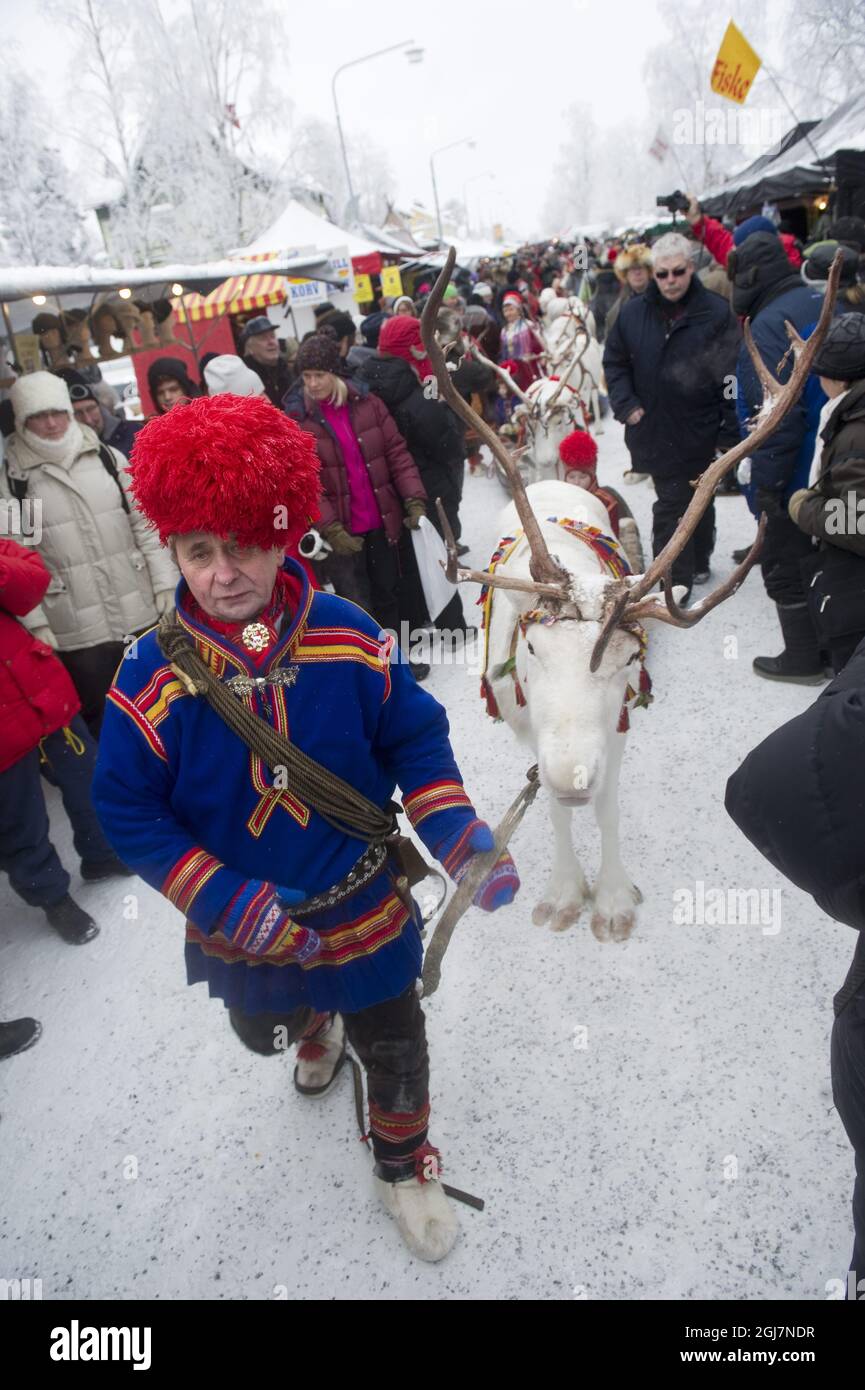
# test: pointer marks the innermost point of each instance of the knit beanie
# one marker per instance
(80, 389)
(751, 225)
(38, 391)
(229, 374)
(842, 356)
(170, 369)
(818, 258)
(318, 353)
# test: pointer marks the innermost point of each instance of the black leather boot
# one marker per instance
(800, 661)
(71, 921)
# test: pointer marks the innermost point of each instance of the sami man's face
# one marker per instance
(231, 583)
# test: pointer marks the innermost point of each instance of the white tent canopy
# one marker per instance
(297, 227)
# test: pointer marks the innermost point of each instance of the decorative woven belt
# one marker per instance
(366, 868)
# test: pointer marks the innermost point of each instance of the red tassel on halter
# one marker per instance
(489, 699)
(518, 693)
(624, 723)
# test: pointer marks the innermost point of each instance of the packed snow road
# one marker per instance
(647, 1120)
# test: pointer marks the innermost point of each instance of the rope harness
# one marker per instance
(613, 561)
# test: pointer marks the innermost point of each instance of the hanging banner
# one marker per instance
(736, 66)
(363, 289)
(391, 280)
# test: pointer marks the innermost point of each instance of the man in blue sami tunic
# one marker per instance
(299, 929)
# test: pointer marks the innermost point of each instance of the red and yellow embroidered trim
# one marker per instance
(189, 875)
(339, 945)
(395, 1128)
(343, 644)
(141, 721)
(435, 796)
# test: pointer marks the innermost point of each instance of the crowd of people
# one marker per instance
(161, 537)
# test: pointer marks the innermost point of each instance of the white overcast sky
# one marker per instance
(502, 73)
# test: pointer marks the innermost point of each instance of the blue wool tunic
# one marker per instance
(192, 810)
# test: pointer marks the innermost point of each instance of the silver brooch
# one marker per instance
(245, 685)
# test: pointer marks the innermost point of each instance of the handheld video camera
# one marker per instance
(674, 202)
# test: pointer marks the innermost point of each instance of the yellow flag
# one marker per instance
(736, 66)
(363, 289)
(391, 280)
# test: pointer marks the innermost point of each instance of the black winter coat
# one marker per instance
(799, 797)
(430, 429)
(681, 378)
(276, 378)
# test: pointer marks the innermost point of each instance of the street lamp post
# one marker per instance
(466, 140)
(414, 55)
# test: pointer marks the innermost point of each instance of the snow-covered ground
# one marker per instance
(647, 1120)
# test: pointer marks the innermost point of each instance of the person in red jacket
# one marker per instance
(719, 242)
(41, 731)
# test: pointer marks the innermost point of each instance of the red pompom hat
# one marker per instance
(577, 450)
(229, 466)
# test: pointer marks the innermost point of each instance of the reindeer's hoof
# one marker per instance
(566, 917)
(542, 914)
(601, 926)
(622, 925)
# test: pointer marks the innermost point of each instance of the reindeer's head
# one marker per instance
(573, 711)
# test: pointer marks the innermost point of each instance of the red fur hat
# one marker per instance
(230, 466)
(577, 450)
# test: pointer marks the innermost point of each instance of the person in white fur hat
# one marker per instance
(230, 374)
(110, 578)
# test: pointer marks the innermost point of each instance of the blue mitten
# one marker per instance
(455, 852)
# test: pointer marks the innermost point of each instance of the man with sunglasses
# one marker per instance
(669, 361)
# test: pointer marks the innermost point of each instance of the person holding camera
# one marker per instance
(668, 361)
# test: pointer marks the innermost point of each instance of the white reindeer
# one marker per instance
(569, 632)
(571, 715)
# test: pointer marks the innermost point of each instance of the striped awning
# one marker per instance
(238, 295)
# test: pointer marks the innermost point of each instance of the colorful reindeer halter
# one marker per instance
(613, 561)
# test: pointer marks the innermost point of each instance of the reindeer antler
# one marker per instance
(542, 567)
(565, 378)
(503, 375)
(777, 401)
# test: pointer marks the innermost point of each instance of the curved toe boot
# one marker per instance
(427, 1222)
